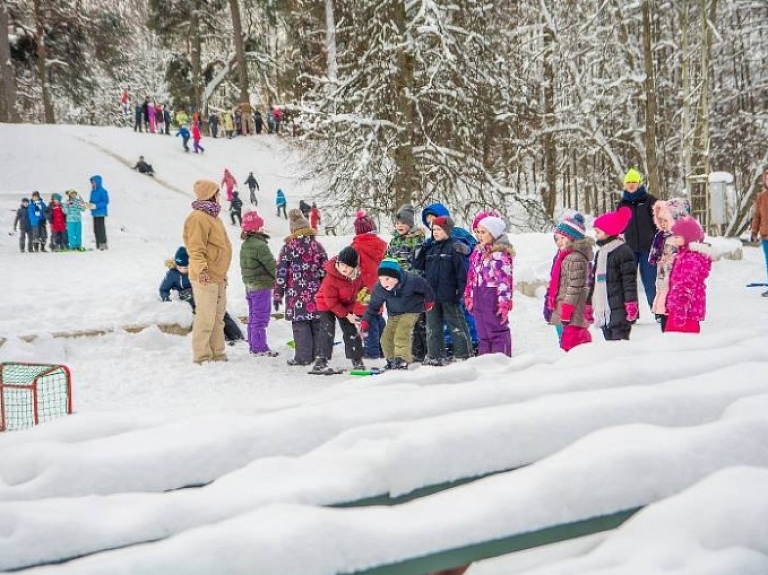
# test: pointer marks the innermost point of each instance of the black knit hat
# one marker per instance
(349, 256)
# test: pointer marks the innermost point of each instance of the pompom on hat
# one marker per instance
(182, 257)
(633, 177)
(688, 229)
(205, 189)
(389, 267)
(364, 223)
(484, 214)
(349, 256)
(444, 223)
(296, 220)
(572, 227)
(614, 223)
(252, 222)
(493, 225)
(406, 215)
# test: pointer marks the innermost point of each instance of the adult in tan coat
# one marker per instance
(210, 253)
(760, 220)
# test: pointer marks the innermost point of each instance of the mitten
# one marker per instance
(632, 311)
(429, 305)
(547, 312)
(589, 315)
(468, 303)
(566, 313)
(503, 310)
(364, 327)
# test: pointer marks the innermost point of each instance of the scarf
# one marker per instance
(209, 207)
(600, 305)
(554, 281)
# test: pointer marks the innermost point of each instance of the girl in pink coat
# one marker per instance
(686, 303)
(229, 183)
(196, 137)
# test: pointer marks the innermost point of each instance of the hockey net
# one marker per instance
(32, 393)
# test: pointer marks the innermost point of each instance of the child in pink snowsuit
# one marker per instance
(196, 137)
(229, 183)
(687, 298)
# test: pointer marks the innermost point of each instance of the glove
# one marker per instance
(753, 238)
(503, 310)
(566, 313)
(547, 312)
(276, 304)
(632, 312)
(589, 315)
(468, 303)
(429, 305)
(364, 327)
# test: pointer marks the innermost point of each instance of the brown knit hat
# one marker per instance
(296, 220)
(205, 189)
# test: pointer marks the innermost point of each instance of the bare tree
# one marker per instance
(8, 111)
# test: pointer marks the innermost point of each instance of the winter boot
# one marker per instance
(321, 367)
(391, 364)
(358, 365)
(400, 363)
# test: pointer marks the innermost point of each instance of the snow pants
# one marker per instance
(493, 334)
(398, 336)
(259, 306)
(353, 343)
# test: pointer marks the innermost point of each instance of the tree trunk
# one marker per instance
(242, 66)
(405, 181)
(7, 73)
(194, 57)
(330, 45)
(42, 64)
(549, 195)
(650, 110)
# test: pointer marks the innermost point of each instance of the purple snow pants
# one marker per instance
(259, 305)
(494, 336)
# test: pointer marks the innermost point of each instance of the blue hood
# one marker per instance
(96, 180)
(436, 209)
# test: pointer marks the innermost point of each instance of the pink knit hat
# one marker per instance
(688, 229)
(364, 223)
(252, 222)
(484, 214)
(614, 223)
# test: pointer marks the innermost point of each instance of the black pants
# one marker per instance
(419, 347)
(100, 231)
(39, 236)
(353, 343)
(280, 208)
(616, 334)
(306, 336)
(232, 331)
(254, 201)
(235, 214)
(28, 235)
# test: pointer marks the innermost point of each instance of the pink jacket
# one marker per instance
(491, 266)
(687, 298)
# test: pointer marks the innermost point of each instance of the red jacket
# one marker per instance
(371, 249)
(338, 294)
(58, 219)
(314, 218)
(196, 132)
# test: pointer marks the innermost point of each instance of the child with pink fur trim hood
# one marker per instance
(687, 299)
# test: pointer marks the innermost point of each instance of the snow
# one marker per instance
(220, 468)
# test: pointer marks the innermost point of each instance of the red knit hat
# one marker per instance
(364, 223)
(252, 222)
(445, 223)
(688, 229)
(614, 223)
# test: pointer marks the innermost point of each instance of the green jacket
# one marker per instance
(401, 248)
(257, 264)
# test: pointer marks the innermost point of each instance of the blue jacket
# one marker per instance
(174, 280)
(36, 212)
(280, 198)
(458, 234)
(183, 132)
(99, 198)
(445, 268)
(408, 296)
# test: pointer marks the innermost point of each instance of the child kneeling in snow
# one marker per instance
(687, 299)
(406, 295)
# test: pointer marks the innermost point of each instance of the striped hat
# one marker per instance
(573, 227)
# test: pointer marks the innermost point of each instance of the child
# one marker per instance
(58, 220)
(73, 209)
(686, 301)
(281, 203)
(229, 183)
(196, 137)
(488, 291)
(480, 215)
(184, 133)
(236, 209)
(371, 249)
(24, 226)
(613, 294)
(314, 217)
(406, 240)
(663, 250)
(253, 185)
(143, 167)
(36, 211)
(565, 305)
(443, 262)
(406, 295)
(337, 301)
(299, 272)
(257, 266)
(177, 279)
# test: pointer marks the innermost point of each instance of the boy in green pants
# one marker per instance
(406, 295)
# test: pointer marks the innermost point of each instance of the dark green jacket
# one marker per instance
(257, 264)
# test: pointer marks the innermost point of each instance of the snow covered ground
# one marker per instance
(674, 422)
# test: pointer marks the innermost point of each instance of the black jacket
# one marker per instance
(251, 182)
(641, 229)
(22, 220)
(408, 296)
(445, 267)
(620, 283)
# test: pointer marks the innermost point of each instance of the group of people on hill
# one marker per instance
(34, 216)
(243, 120)
(448, 293)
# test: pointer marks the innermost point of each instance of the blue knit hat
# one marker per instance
(573, 227)
(390, 268)
(182, 257)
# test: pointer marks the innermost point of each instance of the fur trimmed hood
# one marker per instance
(299, 233)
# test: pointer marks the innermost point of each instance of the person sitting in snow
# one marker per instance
(177, 279)
(143, 167)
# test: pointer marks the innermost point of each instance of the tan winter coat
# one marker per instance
(573, 288)
(208, 245)
(760, 218)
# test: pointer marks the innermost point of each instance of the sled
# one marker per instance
(757, 284)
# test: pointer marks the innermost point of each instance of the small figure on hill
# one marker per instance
(36, 211)
(258, 121)
(281, 203)
(314, 217)
(74, 208)
(236, 209)
(253, 186)
(143, 167)
(213, 124)
(23, 225)
(184, 133)
(197, 136)
(305, 208)
(58, 220)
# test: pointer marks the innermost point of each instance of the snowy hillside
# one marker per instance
(671, 421)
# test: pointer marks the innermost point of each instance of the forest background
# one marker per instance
(531, 106)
